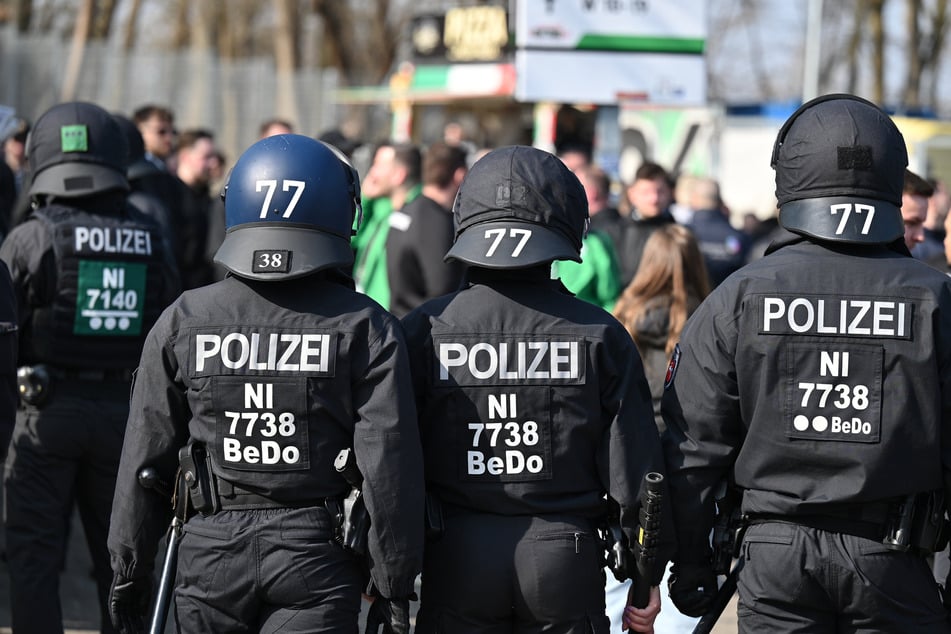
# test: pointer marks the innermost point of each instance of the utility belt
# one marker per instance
(36, 383)
(916, 523)
(205, 493)
(208, 494)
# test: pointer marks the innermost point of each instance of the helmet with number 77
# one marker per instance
(519, 206)
(290, 206)
(840, 168)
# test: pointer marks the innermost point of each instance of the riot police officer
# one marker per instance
(91, 275)
(267, 375)
(533, 405)
(817, 380)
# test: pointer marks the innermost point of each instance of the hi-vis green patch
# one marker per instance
(109, 298)
(74, 138)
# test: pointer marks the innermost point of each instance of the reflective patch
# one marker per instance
(510, 439)
(73, 138)
(271, 261)
(110, 298)
(251, 350)
(261, 425)
(500, 360)
(672, 367)
(835, 316)
(832, 391)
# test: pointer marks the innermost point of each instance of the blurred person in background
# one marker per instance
(392, 181)
(196, 156)
(14, 152)
(646, 202)
(157, 125)
(421, 233)
(670, 283)
(273, 127)
(597, 278)
(724, 248)
(931, 249)
(914, 208)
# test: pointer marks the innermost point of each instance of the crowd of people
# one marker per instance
(557, 335)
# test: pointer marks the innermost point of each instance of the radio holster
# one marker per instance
(918, 523)
(728, 527)
(199, 481)
(352, 519)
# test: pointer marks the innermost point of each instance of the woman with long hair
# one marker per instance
(670, 283)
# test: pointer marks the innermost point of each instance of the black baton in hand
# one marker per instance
(648, 533)
(149, 479)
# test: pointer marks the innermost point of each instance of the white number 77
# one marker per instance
(846, 209)
(271, 185)
(498, 234)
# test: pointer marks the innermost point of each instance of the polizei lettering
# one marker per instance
(239, 352)
(112, 240)
(859, 317)
(500, 362)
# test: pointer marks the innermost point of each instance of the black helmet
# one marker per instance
(76, 149)
(519, 206)
(840, 165)
(290, 203)
(137, 165)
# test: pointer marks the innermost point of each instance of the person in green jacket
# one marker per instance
(392, 181)
(597, 278)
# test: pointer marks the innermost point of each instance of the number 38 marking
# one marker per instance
(496, 236)
(271, 185)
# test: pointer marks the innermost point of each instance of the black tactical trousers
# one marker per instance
(513, 574)
(68, 450)
(801, 579)
(269, 570)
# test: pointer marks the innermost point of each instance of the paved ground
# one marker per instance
(78, 593)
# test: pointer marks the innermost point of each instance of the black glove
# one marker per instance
(129, 603)
(392, 614)
(946, 591)
(692, 588)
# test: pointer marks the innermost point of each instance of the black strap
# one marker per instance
(235, 498)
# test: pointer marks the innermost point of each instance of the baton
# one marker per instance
(148, 478)
(647, 536)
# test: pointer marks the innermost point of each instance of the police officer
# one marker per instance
(270, 373)
(533, 405)
(91, 275)
(818, 380)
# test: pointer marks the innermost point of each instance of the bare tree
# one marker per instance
(912, 88)
(77, 49)
(285, 57)
(932, 44)
(130, 29)
(104, 12)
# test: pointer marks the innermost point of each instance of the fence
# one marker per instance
(229, 97)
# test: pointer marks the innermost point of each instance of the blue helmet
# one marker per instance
(290, 204)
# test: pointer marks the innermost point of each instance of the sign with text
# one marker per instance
(662, 26)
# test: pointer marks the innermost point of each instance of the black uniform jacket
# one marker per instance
(275, 378)
(531, 401)
(819, 378)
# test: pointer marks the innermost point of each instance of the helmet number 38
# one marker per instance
(496, 235)
(270, 185)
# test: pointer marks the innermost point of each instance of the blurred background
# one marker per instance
(699, 86)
